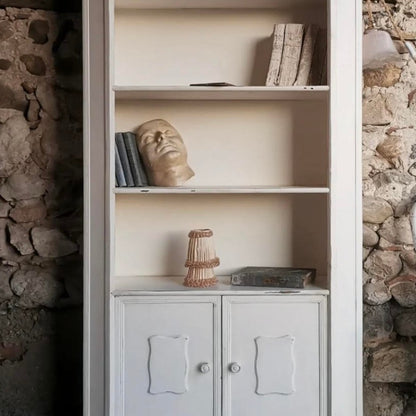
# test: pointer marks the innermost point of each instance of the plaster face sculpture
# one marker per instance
(164, 153)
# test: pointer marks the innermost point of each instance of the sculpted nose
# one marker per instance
(160, 137)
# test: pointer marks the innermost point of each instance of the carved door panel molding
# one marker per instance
(274, 356)
(167, 356)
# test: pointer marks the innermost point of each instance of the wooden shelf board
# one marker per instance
(214, 4)
(135, 285)
(224, 190)
(320, 92)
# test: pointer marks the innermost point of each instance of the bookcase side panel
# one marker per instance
(345, 209)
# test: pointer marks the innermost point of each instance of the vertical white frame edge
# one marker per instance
(345, 372)
(94, 124)
(359, 210)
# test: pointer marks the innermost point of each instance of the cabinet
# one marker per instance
(220, 355)
(277, 178)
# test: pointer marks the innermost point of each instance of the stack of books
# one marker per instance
(298, 56)
(129, 164)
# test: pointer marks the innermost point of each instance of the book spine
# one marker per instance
(317, 74)
(291, 54)
(124, 159)
(274, 67)
(307, 55)
(136, 163)
(271, 281)
(120, 178)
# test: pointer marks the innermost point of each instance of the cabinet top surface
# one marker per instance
(136, 285)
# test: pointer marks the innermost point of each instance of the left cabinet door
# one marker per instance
(166, 356)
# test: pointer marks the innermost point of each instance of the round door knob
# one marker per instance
(235, 368)
(204, 368)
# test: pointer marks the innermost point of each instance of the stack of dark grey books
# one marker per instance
(129, 164)
(285, 277)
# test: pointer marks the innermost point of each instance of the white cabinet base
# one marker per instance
(168, 354)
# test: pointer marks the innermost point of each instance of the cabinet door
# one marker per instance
(167, 356)
(274, 356)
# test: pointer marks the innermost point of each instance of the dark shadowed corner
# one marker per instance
(40, 208)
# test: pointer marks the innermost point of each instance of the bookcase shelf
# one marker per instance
(127, 285)
(320, 92)
(224, 190)
(213, 4)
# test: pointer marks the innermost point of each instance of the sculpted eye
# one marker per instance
(147, 139)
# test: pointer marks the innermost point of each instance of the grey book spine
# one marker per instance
(136, 162)
(124, 159)
(284, 278)
(120, 178)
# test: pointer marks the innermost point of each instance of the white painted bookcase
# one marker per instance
(277, 178)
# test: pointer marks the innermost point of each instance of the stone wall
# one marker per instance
(389, 189)
(40, 209)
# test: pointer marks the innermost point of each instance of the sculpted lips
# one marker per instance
(166, 148)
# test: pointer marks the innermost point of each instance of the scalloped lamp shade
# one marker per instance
(378, 49)
(201, 259)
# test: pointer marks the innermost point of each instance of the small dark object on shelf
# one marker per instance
(213, 84)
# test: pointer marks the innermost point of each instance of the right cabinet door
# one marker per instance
(274, 356)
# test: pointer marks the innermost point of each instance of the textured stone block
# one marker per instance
(394, 363)
(376, 210)
(50, 242)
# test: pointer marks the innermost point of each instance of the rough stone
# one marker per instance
(12, 96)
(391, 149)
(409, 261)
(394, 363)
(50, 242)
(29, 86)
(33, 110)
(376, 293)
(393, 186)
(405, 324)
(46, 95)
(397, 230)
(404, 292)
(19, 238)
(22, 186)
(6, 30)
(383, 264)
(366, 252)
(412, 169)
(36, 287)
(387, 76)
(378, 324)
(376, 112)
(6, 250)
(34, 64)
(5, 64)
(376, 210)
(14, 146)
(382, 400)
(5, 290)
(370, 237)
(410, 408)
(28, 211)
(38, 31)
(11, 352)
(4, 209)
